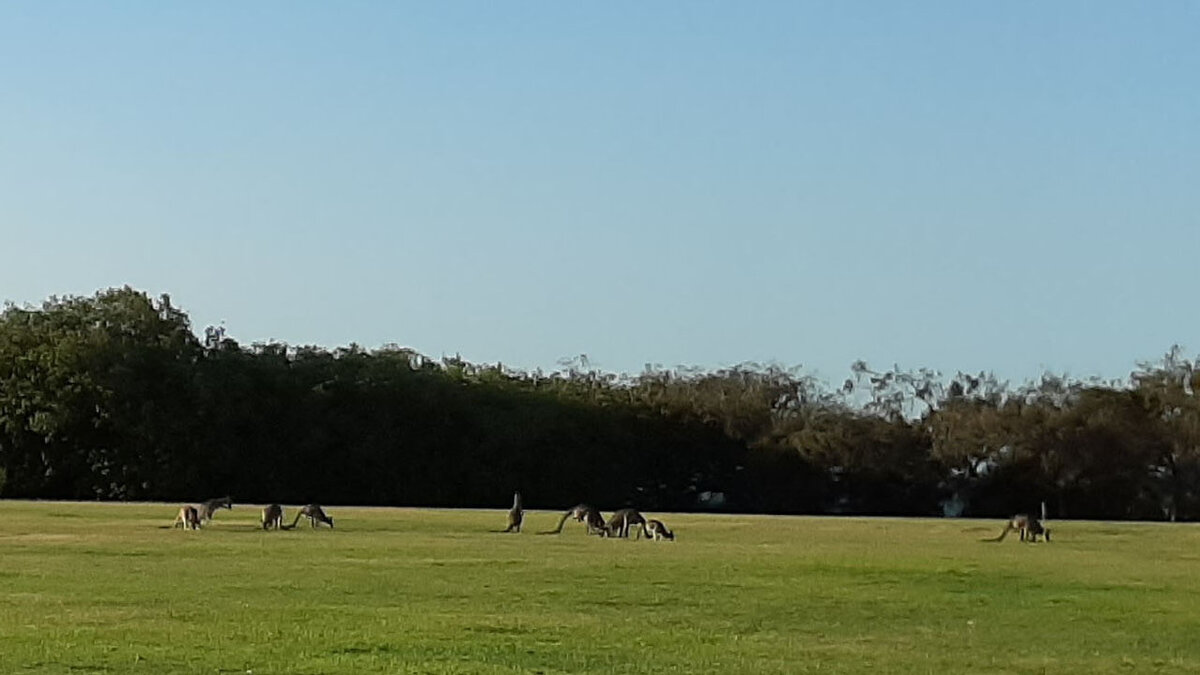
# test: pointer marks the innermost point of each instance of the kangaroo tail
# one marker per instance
(561, 522)
(1003, 534)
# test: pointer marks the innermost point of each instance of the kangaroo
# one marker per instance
(1036, 528)
(619, 524)
(582, 513)
(188, 518)
(272, 516)
(1028, 528)
(1043, 525)
(209, 508)
(314, 513)
(659, 531)
(516, 515)
(1019, 523)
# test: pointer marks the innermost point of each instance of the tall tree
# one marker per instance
(93, 394)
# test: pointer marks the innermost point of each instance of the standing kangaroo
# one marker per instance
(314, 513)
(272, 516)
(188, 518)
(208, 508)
(659, 531)
(516, 515)
(619, 524)
(1037, 527)
(582, 513)
(1044, 523)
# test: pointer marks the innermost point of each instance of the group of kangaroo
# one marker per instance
(193, 517)
(617, 526)
(272, 516)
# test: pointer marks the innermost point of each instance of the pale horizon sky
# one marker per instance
(1012, 187)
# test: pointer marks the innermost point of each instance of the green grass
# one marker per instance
(100, 588)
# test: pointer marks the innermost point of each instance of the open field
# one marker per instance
(100, 588)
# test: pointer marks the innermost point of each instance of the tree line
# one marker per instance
(113, 396)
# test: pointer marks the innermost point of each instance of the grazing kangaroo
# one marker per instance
(516, 515)
(188, 518)
(315, 513)
(1028, 528)
(658, 531)
(1019, 523)
(582, 513)
(208, 508)
(619, 524)
(272, 516)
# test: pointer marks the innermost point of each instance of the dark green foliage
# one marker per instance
(113, 397)
(95, 396)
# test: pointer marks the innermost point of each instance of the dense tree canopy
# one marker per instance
(114, 397)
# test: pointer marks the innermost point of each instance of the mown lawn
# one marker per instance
(102, 588)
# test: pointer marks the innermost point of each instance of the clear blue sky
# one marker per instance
(959, 185)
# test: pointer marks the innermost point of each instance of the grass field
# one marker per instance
(101, 588)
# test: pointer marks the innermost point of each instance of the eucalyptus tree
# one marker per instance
(93, 394)
(969, 434)
(1169, 389)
